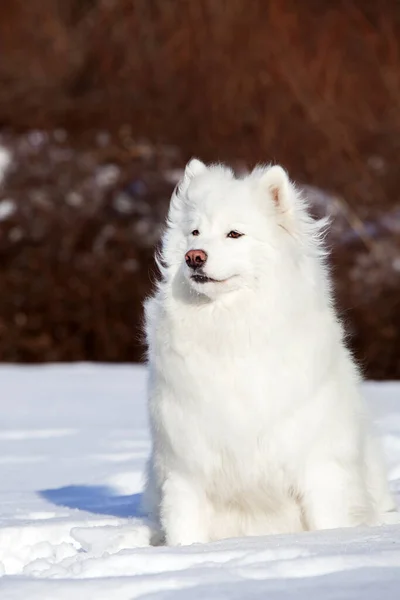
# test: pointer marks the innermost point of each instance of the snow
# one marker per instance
(73, 443)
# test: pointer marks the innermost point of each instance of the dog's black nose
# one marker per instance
(195, 258)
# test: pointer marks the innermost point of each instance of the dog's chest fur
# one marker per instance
(231, 412)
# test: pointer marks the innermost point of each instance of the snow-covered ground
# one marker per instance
(73, 442)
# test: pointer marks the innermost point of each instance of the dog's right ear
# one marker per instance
(193, 168)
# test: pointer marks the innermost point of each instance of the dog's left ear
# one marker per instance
(276, 183)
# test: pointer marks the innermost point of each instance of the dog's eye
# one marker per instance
(234, 235)
(195, 232)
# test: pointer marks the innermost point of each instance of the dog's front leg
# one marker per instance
(185, 512)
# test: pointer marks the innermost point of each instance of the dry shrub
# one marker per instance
(314, 85)
(78, 226)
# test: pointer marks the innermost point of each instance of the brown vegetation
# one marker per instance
(314, 85)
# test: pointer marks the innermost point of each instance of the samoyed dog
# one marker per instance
(257, 422)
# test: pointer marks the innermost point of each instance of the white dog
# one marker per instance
(256, 417)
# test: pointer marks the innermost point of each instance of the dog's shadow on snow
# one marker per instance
(100, 500)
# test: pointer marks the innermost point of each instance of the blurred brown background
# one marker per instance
(101, 103)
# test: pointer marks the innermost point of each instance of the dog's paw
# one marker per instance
(391, 517)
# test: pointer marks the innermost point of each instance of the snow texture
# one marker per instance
(73, 443)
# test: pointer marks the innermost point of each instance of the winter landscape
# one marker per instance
(102, 103)
(73, 443)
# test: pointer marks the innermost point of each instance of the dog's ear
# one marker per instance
(276, 183)
(193, 168)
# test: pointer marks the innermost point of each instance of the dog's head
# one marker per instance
(226, 233)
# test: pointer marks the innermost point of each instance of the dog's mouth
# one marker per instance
(201, 278)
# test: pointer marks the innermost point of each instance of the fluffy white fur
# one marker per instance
(257, 422)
